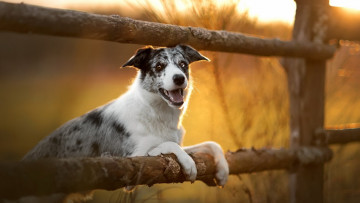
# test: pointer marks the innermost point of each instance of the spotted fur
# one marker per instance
(146, 120)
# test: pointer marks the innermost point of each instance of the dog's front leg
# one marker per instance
(185, 160)
(213, 148)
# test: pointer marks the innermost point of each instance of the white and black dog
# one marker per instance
(145, 121)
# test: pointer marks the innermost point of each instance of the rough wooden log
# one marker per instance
(34, 19)
(342, 136)
(306, 81)
(78, 174)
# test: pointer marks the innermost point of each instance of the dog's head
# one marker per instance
(165, 71)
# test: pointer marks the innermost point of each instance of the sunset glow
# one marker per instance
(353, 4)
(263, 10)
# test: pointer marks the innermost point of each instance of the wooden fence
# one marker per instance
(315, 23)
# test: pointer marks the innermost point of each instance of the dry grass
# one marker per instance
(236, 97)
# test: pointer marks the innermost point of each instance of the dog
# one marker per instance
(145, 121)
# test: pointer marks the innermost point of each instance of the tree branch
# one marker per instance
(67, 23)
(343, 136)
(79, 174)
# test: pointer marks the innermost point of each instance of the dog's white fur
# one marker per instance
(152, 123)
(157, 128)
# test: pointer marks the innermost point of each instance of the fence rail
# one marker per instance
(49, 176)
(34, 19)
(306, 79)
(343, 136)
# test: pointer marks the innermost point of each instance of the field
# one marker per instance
(238, 101)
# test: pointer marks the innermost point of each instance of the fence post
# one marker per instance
(306, 81)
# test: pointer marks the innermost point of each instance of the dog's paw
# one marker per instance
(187, 163)
(189, 167)
(222, 173)
(222, 167)
(155, 152)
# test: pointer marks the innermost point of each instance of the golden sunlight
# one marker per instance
(263, 10)
(266, 11)
(352, 4)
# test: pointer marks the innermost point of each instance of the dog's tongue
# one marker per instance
(176, 96)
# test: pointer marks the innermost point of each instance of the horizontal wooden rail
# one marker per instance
(58, 22)
(343, 136)
(78, 174)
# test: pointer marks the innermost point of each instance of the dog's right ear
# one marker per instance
(139, 58)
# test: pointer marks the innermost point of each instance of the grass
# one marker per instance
(254, 89)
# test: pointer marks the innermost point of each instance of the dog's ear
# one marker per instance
(139, 58)
(192, 54)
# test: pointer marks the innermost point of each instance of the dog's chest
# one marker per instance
(159, 123)
(140, 120)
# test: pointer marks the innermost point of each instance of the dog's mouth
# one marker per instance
(175, 97)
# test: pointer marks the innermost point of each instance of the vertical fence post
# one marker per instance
(306, 81)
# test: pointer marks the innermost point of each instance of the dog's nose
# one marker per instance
(178, 79)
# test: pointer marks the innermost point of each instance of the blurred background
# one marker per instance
(238, 100)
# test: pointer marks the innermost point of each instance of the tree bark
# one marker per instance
(306, 83)
(67, 23)
(342, 136)
(79, 174)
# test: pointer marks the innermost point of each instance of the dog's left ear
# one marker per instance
(192, 54)
(139, 58)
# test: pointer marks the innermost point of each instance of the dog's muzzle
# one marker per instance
(175, 97)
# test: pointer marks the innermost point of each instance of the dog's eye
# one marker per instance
(182, 64)
(159, 67)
